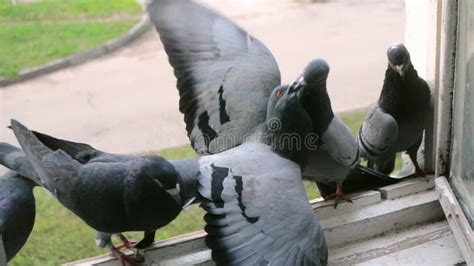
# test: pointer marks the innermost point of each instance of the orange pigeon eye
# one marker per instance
(279, 93)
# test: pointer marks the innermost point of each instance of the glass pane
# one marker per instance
(462, 164)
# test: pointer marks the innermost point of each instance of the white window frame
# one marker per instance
(431, 36)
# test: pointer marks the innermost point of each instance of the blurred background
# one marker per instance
(127, 101)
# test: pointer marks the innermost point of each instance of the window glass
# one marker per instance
(462, 164)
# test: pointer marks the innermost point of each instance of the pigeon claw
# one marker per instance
(125, 242)
(125, 259)
(339, 196)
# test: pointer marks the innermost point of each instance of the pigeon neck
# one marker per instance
(287, 136)
(398, 92)
(280, 141)
(318, 106)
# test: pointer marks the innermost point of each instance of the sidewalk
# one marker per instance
(128, 102)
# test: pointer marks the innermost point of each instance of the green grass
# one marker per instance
(66, 9)
(59, 236)
(27, 45)
(38, 33)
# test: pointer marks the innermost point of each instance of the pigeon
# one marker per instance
(111, 193)
(396, 123)
(337, 152)
(256, 213)
(17, 213)
(226, 79)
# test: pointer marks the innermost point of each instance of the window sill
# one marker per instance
(458, 223)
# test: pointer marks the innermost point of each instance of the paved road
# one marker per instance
(127, 101)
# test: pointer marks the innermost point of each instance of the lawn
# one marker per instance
(66, 10)
(26, 30)
(59, 236)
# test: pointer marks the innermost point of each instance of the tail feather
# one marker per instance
(48, 165)
(71, 148)
(15, 159)
(361, 179)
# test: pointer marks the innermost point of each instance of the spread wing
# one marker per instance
(258, 213)
(225, 76)
(340, 143)
(378, 133)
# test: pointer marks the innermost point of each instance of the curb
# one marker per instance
(81, 57)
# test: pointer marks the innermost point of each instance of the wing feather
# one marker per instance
(378, 133)
(340, 143)
(261, 211)
(225, 76)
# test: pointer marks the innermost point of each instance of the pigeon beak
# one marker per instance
(400, 69)
(298, 87)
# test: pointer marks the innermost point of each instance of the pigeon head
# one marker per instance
(150, 177)
(315, 73)
(398, 58)
(316, 100)
(287, 122)
(280, 98)
(314, 77)
(161, 171)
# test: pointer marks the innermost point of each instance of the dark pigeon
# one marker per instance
(396, 123)
(256, 213)
(15, 159)
(337, 152)
(17, 213)
(111, 193)
(225, 76)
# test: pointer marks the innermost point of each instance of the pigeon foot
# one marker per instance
(339, 196)
(126, 259)
(125, 242)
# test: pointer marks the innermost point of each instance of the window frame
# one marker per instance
(441, 48)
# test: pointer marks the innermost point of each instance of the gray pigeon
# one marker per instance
(396, 123)
(225, 79)
(258, 214)
(111, 193)
(337, 152)
(17, 212)
(225, 76)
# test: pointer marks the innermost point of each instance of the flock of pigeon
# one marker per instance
(256, 139)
